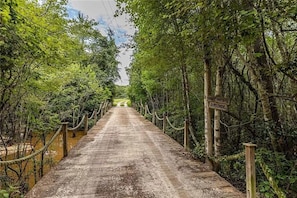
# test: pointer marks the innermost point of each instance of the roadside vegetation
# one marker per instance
(241, 52)
(52, 69)
(121, 96)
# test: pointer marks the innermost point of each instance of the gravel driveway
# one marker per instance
(123, 156)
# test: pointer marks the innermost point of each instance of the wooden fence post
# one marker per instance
(105, 108)
(95, 117)
(141, 109)
(154, 118)
(250, 170)
(186, 134)
(86, 127)
(145, 110)
(65, 136)
(101, 111)
(164, 122)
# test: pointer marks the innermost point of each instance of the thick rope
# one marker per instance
(148, 110)
(229, 157)
(100, 109)
(267, 172)
(9, 162)
(74, 128)
(93, 114)
(175, 128)
(161, 119)
(103, 105)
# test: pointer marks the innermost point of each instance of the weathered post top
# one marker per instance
(250, 144)
(250, 170)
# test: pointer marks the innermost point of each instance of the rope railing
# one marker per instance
(148, 110)
(93, 114)
(9, 162)
(105, 105)
(79, 124)
(228, 157)
(100, 109)
(160, 119)
(248, 153)
(267, 172)
(175, 128)
(63, 128)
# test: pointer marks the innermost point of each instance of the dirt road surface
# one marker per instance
(124, 156)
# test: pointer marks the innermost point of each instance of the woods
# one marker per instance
(53, 69)
(244, 51)
(188, 56)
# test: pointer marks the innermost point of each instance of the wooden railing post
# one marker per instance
(86, 127)
(101, 111)
(95, 117)
(250, 170)
(65, 136)
(145, 110)
(186, 134)
(154, 118)
(141, 109)
(164, 122)
(105, 108)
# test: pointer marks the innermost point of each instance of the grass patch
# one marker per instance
(121, 101)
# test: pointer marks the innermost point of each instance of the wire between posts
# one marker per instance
(161, 119)
(74, 128)
(175, 128)
(33, 154)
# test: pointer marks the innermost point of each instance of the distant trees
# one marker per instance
(244, 51)
(52, 69)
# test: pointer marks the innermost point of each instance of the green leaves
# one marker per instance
(42, 53)
(255, 43)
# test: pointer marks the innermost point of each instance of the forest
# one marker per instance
(53, 69)
(244, 52)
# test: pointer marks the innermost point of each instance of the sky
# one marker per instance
(103, 12)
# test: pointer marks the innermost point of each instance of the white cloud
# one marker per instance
(125, 59)
(103, 11)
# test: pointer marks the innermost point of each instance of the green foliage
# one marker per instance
(278, 175)
(121, 101)
(121, 91)
(199, 152)
(254, 42)
(52, 69)
(10, 192)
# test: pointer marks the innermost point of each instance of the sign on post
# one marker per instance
(219, 103)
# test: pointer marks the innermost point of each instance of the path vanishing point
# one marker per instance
(123, 156)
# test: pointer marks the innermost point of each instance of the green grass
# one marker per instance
(121, 100)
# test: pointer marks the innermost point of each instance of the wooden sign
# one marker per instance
(218, 100)
(219, 103)
(219, 106)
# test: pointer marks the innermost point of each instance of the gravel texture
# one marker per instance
(124, 156)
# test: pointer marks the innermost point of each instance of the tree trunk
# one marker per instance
(262, 79)
(217, 114)
(186, 91)
(207, 110)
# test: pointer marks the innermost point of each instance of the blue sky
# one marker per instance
(103, 12)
